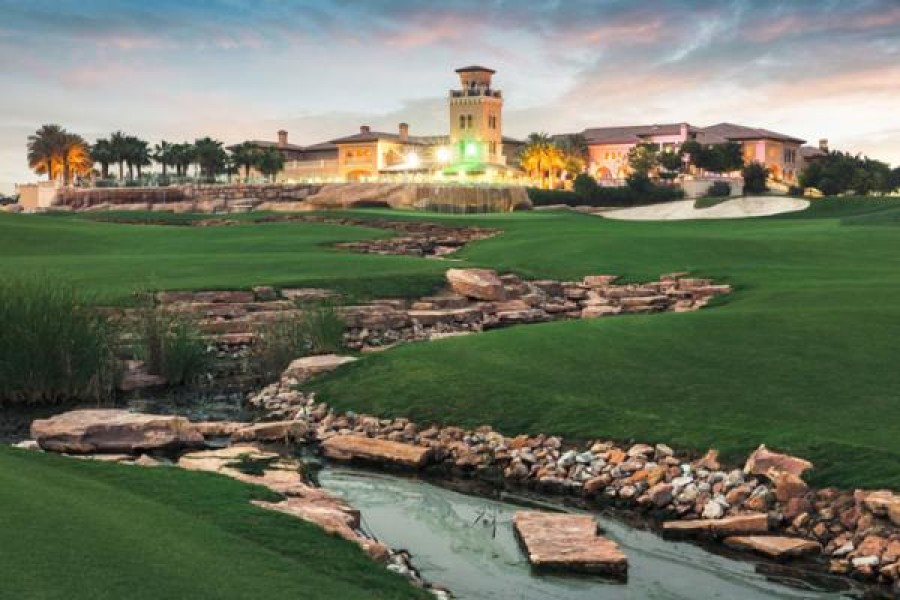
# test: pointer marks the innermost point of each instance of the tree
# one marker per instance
(269, 162)
(183, 155)
(162, 153)
(840, 172)
(102, 152)
(75, 157)
(755, 175)
(245, 156)
(45, 148)
(211, 157)
(894, 180)
(714, 158)
(643, 158)
(541, 157)
(136, 155)
(118, 143)
(670, 164)
(575, 153)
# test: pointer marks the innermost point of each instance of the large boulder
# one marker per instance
(763, 460)
(113, 431)
(480, 284)
(308, 367)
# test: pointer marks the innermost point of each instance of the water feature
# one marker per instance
(466, 543)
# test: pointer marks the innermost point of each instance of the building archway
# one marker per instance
(603, 173)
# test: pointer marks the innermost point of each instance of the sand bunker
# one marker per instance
(739, 208)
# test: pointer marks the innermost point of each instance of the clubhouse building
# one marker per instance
(476, 151)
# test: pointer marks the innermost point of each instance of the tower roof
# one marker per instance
(475, 69)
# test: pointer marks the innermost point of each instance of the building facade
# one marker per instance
(475, 150)
(608, 147)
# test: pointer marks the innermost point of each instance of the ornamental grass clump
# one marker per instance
(317, 330)
(54, 346)
(171, 346)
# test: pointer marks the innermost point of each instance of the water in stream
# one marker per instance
(466, 544)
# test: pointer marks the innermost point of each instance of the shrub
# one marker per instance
(795, 190)
(641, 191)
(318, 330)
(719, 189)
(171, 346)
(53, 346)
(755, 175)
(585, 186)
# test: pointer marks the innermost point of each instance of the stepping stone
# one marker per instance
(350, 447)
(754, 523)
(559, 541)
(777, 547)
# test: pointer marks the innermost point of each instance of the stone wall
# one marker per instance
(296, 197)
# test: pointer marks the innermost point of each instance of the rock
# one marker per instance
(567, 542)
(713, 510)
(764, 460)
(866, 561)
(740, 524)
(113, 430)
(303, 369)
(660, 494)
(480, 284)
(219, 428)
(27, 445)
(350, 447)
(599, 281)
(265, 293)
(788, 486)
(709, 461)
(775, 547)
(136, 377)
(276, 431)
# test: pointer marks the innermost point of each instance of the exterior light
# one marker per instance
(443, 154)
(412, 160)
(471, 150)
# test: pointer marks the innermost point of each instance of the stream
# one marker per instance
(466, 544)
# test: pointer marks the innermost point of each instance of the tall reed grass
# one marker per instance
(318, 330)
(54, 346)
(171, 345)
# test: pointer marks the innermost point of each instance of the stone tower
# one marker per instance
(476, 118)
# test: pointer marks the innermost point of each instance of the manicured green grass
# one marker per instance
(113, 260)
(83, 530)
(802, 357)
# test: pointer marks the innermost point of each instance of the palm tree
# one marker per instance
(245, 156)
(102, 152)
(75, 157)
(45, 148)
(182, 157)
(211, 156)
(269, 162)
(136, 155)
(118, 143)
(541, 157)
(162, 153)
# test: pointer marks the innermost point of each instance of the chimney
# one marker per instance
(365, 129)
(823, 145)
(404, 132)
(683, 131)
(282, 138)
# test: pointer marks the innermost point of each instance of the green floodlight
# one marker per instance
(471, 150)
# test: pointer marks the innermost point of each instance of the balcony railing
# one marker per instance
(475, 93)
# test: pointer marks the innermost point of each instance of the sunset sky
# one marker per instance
(176, 70)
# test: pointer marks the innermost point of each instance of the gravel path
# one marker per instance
(739, 208)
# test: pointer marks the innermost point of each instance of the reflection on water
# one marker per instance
(467, 544)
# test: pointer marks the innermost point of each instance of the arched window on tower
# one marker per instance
(462, 121)
(469, 121)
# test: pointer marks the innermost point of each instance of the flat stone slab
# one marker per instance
(349, 447)
(774, 546)
(113, 431)
(559, 541)
(740, 524)
(310, 366)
